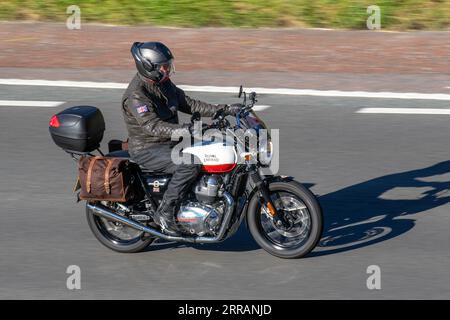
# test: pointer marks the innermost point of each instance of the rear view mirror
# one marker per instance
(240, 91)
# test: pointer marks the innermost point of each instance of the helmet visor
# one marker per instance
(168, 68)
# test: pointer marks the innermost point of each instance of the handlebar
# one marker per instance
(220, 116)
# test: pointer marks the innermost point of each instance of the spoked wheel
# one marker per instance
(295, 212)
(117, 236)
(300, 210)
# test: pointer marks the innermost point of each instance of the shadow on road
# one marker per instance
(380, 209)
(240, 241)
(362, 214)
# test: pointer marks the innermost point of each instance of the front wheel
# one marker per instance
(300, 207)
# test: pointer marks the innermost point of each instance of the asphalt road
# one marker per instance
(383, 182)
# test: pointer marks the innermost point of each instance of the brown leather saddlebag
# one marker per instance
(104, 178)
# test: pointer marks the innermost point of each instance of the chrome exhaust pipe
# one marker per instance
(106, 213)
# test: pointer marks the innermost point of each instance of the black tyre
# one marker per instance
(116, 236)
(301, 206)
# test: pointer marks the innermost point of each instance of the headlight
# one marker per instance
(265, 151)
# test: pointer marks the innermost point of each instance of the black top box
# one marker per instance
(78, 129)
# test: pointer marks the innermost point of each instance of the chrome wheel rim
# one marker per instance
(117, 232)
(301, 222)
(120, 231)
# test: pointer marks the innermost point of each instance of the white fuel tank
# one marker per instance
(215, 156)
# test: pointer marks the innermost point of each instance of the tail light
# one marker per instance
(54, 122)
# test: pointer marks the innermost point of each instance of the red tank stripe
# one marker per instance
(218, 168)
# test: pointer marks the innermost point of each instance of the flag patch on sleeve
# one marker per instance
(142, 109)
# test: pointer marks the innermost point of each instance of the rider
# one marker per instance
(149, 107)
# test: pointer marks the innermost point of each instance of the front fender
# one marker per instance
(270, 179)
(251, 190)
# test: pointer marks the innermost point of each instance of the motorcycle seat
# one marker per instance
(126, 155)
(119, 154)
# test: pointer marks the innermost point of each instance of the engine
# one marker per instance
(204, 215)
(207, 189)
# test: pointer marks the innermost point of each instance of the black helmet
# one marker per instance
(153, 60)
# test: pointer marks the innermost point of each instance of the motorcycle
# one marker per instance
(282, 215)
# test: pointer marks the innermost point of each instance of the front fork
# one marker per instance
(263, 188)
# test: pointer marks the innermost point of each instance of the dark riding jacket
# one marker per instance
(150, 112)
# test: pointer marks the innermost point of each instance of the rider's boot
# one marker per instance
(165, 218)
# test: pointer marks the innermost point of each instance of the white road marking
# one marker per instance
(325, 93)
(63, 83)
(40, 104)
(403, 111)
(216, 89)
(260, 107)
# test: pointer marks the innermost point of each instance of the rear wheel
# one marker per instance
(300, 208)
(117, 236)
